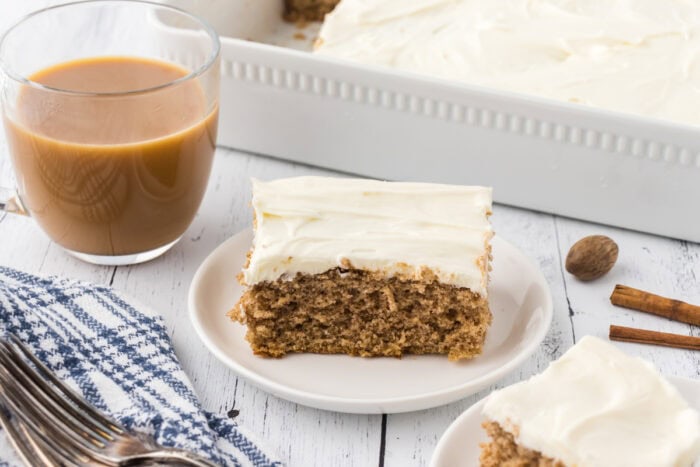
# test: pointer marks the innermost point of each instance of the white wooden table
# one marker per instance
(308, 437)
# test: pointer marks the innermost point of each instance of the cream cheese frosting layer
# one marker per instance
(310, 225)
(597, 407)
(638, 56)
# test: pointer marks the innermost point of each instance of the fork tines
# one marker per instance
(48, 423)
(51, 425)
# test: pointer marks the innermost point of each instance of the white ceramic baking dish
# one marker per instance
(613, 168)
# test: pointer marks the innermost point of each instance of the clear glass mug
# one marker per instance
(110, 109)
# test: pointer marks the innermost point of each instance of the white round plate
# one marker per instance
(519, 298)
(459, 445)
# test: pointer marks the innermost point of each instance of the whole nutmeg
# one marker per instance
(591, 257)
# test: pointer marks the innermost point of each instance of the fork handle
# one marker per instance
(169, 457)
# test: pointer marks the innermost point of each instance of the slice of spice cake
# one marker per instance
(307, 10)
(365, 267)
(594, 407)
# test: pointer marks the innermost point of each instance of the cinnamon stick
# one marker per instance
(644, 336)
(640, 300)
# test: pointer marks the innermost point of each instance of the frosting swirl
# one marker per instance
(310, 225)
(638, 56)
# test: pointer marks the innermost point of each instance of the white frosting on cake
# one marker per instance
(310, 225)
(596, 406)
(639, 56)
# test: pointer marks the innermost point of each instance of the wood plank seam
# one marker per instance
(382, 441)
(562, 270)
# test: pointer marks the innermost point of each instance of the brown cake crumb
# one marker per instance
(503, 451)
(356, 312)
(307, 10)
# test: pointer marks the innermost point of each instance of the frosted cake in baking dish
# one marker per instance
(368, 268)
(641, 56)
(593, 407)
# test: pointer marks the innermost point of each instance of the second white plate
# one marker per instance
(459, 445)
(519, 298)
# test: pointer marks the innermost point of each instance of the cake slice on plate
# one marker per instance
(594, 407)
(368, 268)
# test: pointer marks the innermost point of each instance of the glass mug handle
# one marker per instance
(9, 199)
(10, 202)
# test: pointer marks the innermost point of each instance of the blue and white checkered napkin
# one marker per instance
(121, 360)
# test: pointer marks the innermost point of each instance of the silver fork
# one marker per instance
(51, 425)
